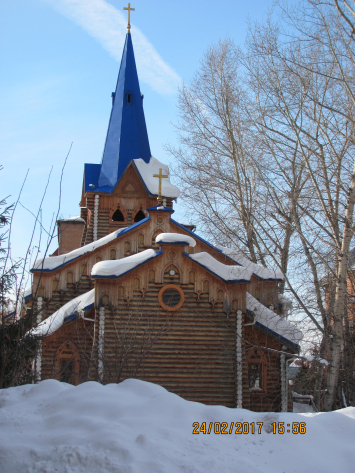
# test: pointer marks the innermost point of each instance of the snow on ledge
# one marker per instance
(56, 320)
(146, 171)
(272, 321)
(259, 271)
(178, 238)
(53, 262)
(225, 272)
(72, 219)
(115, 268)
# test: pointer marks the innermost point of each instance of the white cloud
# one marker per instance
(108, 25)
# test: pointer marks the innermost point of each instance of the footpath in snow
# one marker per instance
(140, 427)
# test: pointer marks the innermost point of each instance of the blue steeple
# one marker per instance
(127, 136)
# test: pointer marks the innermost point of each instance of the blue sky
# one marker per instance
(59, 65)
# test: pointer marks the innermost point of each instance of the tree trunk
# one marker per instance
(340, 300)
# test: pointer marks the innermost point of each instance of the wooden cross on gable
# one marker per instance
(129, 9)
(160, 176)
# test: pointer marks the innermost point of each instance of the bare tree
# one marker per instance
(290, 129)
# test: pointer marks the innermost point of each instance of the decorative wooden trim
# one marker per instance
(160, 297)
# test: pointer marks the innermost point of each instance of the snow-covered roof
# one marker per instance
(273, 322)
(146, 171)
(27, 292)
(72, 219)
(21, 298)
(175, 238)
(56, 320)
(54, 262)
(223, 271)
(259, 271)
(116, 268)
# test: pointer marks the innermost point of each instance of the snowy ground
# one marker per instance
(140, 427)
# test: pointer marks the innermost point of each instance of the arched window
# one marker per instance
(105, 300)
(121, 292)
(84, 269)
(235, 304)
(40, 292)
(270, 301)
(136, 283)
(112, 253)
(70, 277)
(206, 286)
(127, 247)
(55, 285)
(220, 295)
(98, 259)
(118, 216)
(151, 275)
(257, 371)
(140, 240)
(140, 215)
(192, 277)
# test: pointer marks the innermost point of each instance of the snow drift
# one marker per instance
(138, 427)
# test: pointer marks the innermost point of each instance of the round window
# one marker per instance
(171, 297)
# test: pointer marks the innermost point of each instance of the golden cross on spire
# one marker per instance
(160, 176)
(129, 16)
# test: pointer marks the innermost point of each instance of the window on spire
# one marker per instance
(129, 97)
(118, 216)
(139, 216)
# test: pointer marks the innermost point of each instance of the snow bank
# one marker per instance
(116, 268)
(54, 262)
(146, 170)
(56, 320)
(138, 427)
(272, 321)
(225, 272)
(175, 238)
(259, 271)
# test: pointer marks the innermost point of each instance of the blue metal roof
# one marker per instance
(127, 136)
(161, 209)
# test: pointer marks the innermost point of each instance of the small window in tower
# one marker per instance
(118, 216)
(129, 98)
(139, 216)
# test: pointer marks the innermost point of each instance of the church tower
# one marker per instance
(130, 280)
(117, 192)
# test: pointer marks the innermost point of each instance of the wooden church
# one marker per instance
(131, 292)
